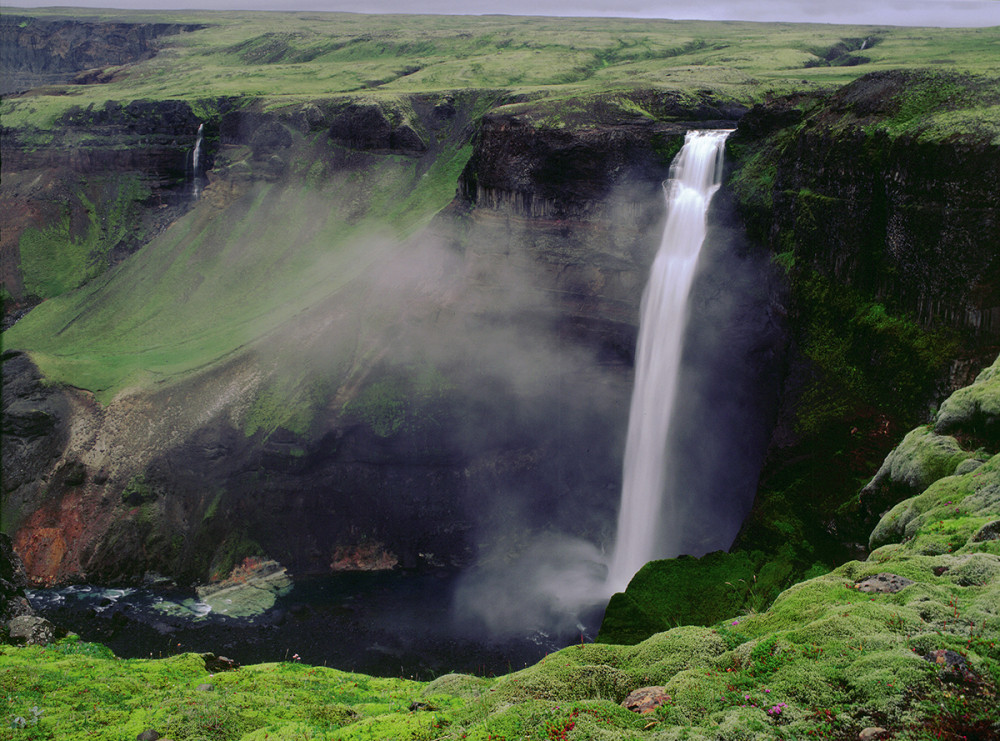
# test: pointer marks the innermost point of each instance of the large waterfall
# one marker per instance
(644, 521)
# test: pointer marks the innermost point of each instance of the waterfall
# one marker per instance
(694, 176)
(196, 161)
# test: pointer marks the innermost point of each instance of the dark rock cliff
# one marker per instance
(888, 232)
(35, 52)
(903, 215)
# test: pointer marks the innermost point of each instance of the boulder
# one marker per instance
(31, 630)
(646, 699)
(884, 584)
(989, 531)
(215, 663)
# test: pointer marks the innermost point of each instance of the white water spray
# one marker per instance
(196, 161)
(694, 177)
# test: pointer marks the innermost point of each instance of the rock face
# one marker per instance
(31, 630)
(35, 418)
(903, 217)
(544, 249)
(884, 226)
(37, 52)
(13, 603)
(105, 180)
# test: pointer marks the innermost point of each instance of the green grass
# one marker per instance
(81, 691)
(55, 259)
(299, 56)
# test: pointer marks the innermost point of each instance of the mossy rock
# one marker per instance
(975, 410)
(456, 685)
(558, 678)
(660, 657)
(919, 460)
(975, 494)
(693, 591)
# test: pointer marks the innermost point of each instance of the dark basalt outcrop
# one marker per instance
(35, 51)
(887, 231)
(35, 420)
(861, 194)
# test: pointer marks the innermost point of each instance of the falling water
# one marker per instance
(694, 177)
(196, 161)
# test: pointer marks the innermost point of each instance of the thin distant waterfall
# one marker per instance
(196, 161)
(694, 177)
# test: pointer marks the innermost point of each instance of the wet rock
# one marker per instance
(148, 735)
(953, 665)
(646, 699)
(31, 630)
(872, 732)
(215, 663)
(250, 590)
(13, 602)
(989, 531)
(884, 584)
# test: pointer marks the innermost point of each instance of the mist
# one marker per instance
(535, 413)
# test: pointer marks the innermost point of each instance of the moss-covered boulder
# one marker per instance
(921, 459)
(697, 591)
(974, 411)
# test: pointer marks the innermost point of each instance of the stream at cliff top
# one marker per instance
(379, 623)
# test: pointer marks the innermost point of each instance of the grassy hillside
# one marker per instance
(294, 56)
(223, 277)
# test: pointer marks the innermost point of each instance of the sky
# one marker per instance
(876, 12)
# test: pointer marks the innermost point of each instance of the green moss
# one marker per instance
(139, 491)
(399, 402)
(945, 515)
(52, 263)
(701, 591)
(55, 260)
(974, 410)
(919, 460)
(863, 356)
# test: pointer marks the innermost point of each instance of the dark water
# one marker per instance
(384, 624)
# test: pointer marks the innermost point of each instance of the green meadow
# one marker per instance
(290, 57)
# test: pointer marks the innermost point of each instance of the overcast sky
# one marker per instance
(879, 12)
